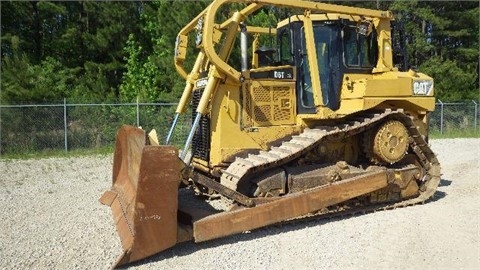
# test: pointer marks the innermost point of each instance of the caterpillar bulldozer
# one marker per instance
(326, 120)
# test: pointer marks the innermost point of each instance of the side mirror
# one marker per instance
(364, 28)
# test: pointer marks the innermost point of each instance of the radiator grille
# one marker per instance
(201, 138)
(282, 108)
(268, 104)
(247, 104)
(262, 94)
(262, 113)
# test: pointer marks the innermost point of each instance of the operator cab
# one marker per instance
(340, 46)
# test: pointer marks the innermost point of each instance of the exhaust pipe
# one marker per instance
(244, 45)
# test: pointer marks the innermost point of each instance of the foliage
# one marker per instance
(121, 50)
(23, 81)
(150, 74)
(53, 50)
(140, 79)
(450, 76)
(443, 43)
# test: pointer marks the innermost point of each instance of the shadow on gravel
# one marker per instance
(188, 248)
(444, 183)
(440, 194)
(437, 196)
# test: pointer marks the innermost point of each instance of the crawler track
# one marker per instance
(299, 145)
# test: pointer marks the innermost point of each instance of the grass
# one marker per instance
(456, 133)
(104, 150)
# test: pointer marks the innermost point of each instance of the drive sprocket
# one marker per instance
(390, 142)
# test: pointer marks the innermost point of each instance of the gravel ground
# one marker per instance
(51, 218)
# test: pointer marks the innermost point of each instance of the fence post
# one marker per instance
(65, 123)
(0, 129)
(441, 116)
(476, 114)
(138, 114)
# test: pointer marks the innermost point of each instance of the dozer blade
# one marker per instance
(144, 195)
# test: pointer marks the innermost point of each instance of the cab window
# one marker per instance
(285, 44)
(359, 51)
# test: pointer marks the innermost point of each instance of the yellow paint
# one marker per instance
(248, 115)
(228, 138)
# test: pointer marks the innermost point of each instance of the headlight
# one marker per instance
(422, 88)
(201, 83)
(177, 43)
(199, 28)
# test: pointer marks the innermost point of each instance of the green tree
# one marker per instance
(452, 83)
(108, 50)
(150, 73)
(443, 42)
(83, 40)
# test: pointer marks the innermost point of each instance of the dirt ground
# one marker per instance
(51, 218)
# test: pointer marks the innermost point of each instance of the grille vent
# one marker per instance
(201, 138)
(267, 105)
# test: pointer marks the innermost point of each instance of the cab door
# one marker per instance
(327, 58)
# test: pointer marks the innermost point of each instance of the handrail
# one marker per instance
(190, 26)
(209, 23)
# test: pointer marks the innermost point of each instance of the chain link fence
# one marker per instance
(33, 128)
(64, 126)
(457, 118)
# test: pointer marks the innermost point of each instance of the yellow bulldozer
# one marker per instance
(325, 119)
